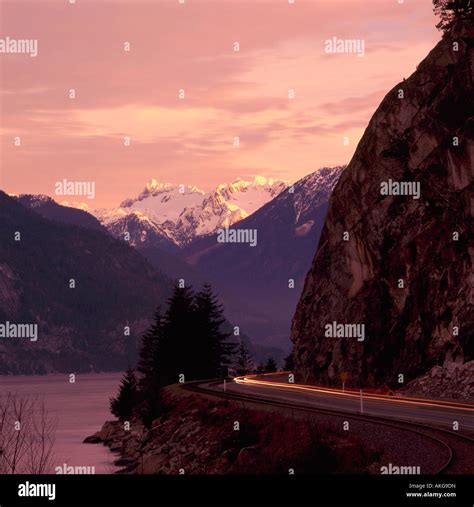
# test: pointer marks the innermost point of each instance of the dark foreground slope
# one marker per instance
(81, 328)
(404, 272)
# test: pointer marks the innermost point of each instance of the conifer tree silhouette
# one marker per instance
(244, 363)
(213, 351)
(123, 405)
(270, 365)
(178, 345)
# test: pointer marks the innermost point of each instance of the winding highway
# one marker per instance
(436, 412)
(449, 424)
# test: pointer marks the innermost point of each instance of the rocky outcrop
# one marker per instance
(454, 381)
(204, 435)
(401, 266)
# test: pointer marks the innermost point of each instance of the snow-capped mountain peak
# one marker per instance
(153, 185)
(184, 212)
(154, 188)
(261, 180)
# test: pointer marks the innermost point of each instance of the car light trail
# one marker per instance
(256, 380)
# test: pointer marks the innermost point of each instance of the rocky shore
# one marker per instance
(205, 435)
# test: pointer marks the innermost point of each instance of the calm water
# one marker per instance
(80, 409)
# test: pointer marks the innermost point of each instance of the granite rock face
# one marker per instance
(400, 265)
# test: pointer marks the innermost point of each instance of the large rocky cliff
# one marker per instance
(400, 265)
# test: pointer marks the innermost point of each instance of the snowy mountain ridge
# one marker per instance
(181, 213)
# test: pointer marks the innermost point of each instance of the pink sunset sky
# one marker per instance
(228, 93)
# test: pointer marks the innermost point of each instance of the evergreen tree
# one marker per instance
(150, 369)
(178, 346)
(270, 365)
(187, 340)
(211, 347)
(260, 368)
(451, 10)
(244, 363)
(124, 404)
(289, 362)
(148, 363)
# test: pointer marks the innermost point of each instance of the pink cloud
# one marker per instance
(227, 93)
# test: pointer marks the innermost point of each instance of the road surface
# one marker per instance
(275, 388)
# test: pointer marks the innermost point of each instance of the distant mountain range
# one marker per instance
(48, 208)
(46, 245)
(261, 285)
(175, 215)
(176, 232)
(175, 228)
(80, 328)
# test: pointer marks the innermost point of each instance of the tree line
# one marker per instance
(186, 342)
